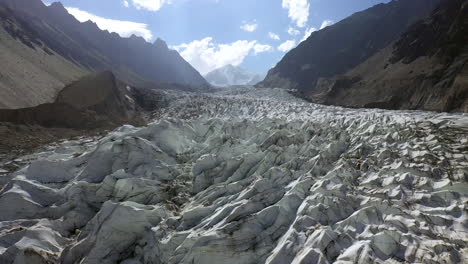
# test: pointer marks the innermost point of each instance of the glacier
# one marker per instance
(246, 176)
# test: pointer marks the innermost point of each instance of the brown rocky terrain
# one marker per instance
(92, 105)
(343, 46)
(95, 101)
(30, 74)
(19, 140)
(46, 48)
(425, 69)
(399, 55)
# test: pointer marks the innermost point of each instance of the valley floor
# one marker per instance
(246, 176)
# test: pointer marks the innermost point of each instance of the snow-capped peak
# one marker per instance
(233, 75)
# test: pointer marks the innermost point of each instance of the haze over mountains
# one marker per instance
(70, 49)
(380, 67)
(233, 75)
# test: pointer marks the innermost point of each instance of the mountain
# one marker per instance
(95, 101)
(426, 68)
(56, 49)
(31, 73)
(344, 45)
(232, 75)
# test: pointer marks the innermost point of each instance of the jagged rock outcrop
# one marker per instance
(247, 176)
(69, 49)
(97, 100)
(346, 44)
(427, 69)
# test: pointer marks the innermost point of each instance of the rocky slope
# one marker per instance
(94, 101)
(31, 74)
(230, 75)
(246, 176)
(346, 44)
(55, 49)
(427, 68)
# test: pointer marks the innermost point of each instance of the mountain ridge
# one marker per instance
(89, 49)
(426, 69)
(344, 45)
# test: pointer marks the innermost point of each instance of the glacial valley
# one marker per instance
(246, 176)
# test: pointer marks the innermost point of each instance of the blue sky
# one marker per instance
(254, 34)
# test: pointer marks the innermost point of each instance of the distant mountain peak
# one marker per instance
(229, 75)
(92, 25)
(57, 5)
(57, 8)
(229, 66)
(160, 43)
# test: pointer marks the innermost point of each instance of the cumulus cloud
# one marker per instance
(151, 5)
(123, 28)
(249, 27)
(287, 45)
(125, 3)
(206, 55)
(298, 11)
(273, 36)
(293, 32)
(326, 23)
(259, 48)
(307, 33)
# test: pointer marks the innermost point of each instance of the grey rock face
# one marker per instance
(346, 44)
(133, 60)
(426, 69)
(95, 101)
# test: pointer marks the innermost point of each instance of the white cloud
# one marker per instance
(205, 55)
(125, 3)
(151, 5)
(259, 48)
(293, 32)
(326, 23)
(273, 36)
(287, 45)
(298, 11)
(250, 27)
(307, 33)
(123, 28)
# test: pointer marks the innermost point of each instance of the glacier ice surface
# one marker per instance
(247, 176)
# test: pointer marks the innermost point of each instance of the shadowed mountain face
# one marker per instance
(31, 73)
(57, 33)
(425, 69)
(95, 101)
(341, 47)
